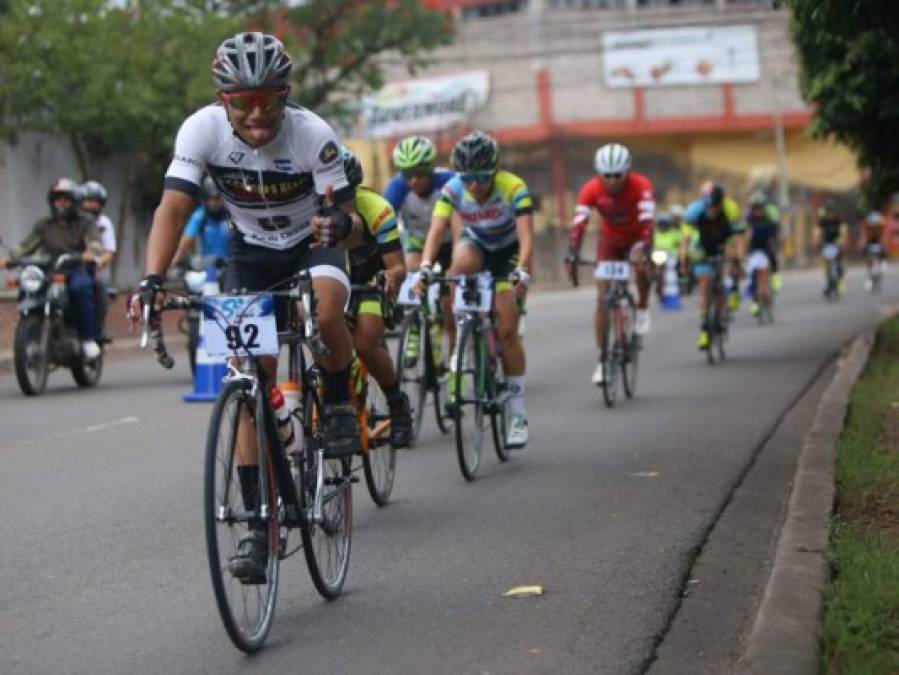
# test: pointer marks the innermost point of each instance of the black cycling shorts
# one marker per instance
(256, 268)
(500, 263)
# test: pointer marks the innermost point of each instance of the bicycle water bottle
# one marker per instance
(282, 418)
(294, 404)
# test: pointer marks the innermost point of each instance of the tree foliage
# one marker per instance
(849, 51)
(119, 77)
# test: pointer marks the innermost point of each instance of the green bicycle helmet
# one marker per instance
(414, 151)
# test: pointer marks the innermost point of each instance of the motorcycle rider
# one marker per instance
(93, 199)
(68, 230)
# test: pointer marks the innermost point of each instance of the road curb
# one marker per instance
(785, 634)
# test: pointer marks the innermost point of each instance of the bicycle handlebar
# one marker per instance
(153, 327)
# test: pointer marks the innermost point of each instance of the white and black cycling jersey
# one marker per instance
(271, 192)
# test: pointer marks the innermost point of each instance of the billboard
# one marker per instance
(680, 56)
(425, 105)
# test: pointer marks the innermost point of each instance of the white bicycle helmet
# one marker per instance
(613, 158)
(251, 61)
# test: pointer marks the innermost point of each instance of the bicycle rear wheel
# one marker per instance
(411, 367)
(326, 542)
(379, 461)
(467, 400)
(609, 357)
(630, 352)
(247, 609)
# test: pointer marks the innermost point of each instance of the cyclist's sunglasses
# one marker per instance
(612, 176)
(476, 177)
(417, 172)
(268, 100)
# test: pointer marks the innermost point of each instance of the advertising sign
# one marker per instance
(425, 105)
(680, 56)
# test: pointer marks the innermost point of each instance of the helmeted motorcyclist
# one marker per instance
(93, 199)
(68, 230)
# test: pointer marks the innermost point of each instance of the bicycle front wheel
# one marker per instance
(326, 487)
(379, 460)
(231, 509)
(609, 356)
(630, 354)
(411, 367)
(500, 411)
(467, 401)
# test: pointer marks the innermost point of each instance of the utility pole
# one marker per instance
(783, 182)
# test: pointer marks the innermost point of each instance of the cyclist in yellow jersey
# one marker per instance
(498, 231)
(380, 249)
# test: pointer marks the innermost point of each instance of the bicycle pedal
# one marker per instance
(354, 479)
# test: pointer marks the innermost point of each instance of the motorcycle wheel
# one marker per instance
(87, 373)
(31, 361)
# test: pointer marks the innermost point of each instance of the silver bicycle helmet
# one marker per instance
(251, 61)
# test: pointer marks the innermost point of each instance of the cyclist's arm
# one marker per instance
(168, 220)
(524, 225)
(395, 269)
(441, 218)
(582, 212)
(439, 224)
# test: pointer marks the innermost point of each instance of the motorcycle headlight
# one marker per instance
(31, 279)
(660, 257)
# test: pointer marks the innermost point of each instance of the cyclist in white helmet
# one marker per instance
(626, 203)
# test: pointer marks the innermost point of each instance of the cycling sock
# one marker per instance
(248, 476)
(516, 388)
(337, 385)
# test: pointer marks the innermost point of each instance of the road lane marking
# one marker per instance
(523, 592)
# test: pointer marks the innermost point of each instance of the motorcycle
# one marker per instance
(46, 337)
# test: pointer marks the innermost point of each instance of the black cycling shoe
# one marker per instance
(341, 430)
(248, 565)
(400, 422)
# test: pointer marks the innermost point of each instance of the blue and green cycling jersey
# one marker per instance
(493, 223)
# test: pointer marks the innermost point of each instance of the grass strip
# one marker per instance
(860, 634)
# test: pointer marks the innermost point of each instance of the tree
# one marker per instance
(116, 77)
(338, 41)
(848, 51)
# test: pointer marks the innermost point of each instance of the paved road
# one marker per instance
(101, 536)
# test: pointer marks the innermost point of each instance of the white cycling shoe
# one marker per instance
(518, 432)
(91, 349)
(641, 325)
(598, 379)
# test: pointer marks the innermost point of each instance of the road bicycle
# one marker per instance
(757, 263)
(419, 354)
(716, 315)
(832, 271)
(875, 263)
(478, 395)
(372, 412)
(296, 490)
(621, 346)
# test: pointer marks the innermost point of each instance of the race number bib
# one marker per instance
(470, 301)
(613, 270)
(234, 325)
(831, 251)
(408, 297)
